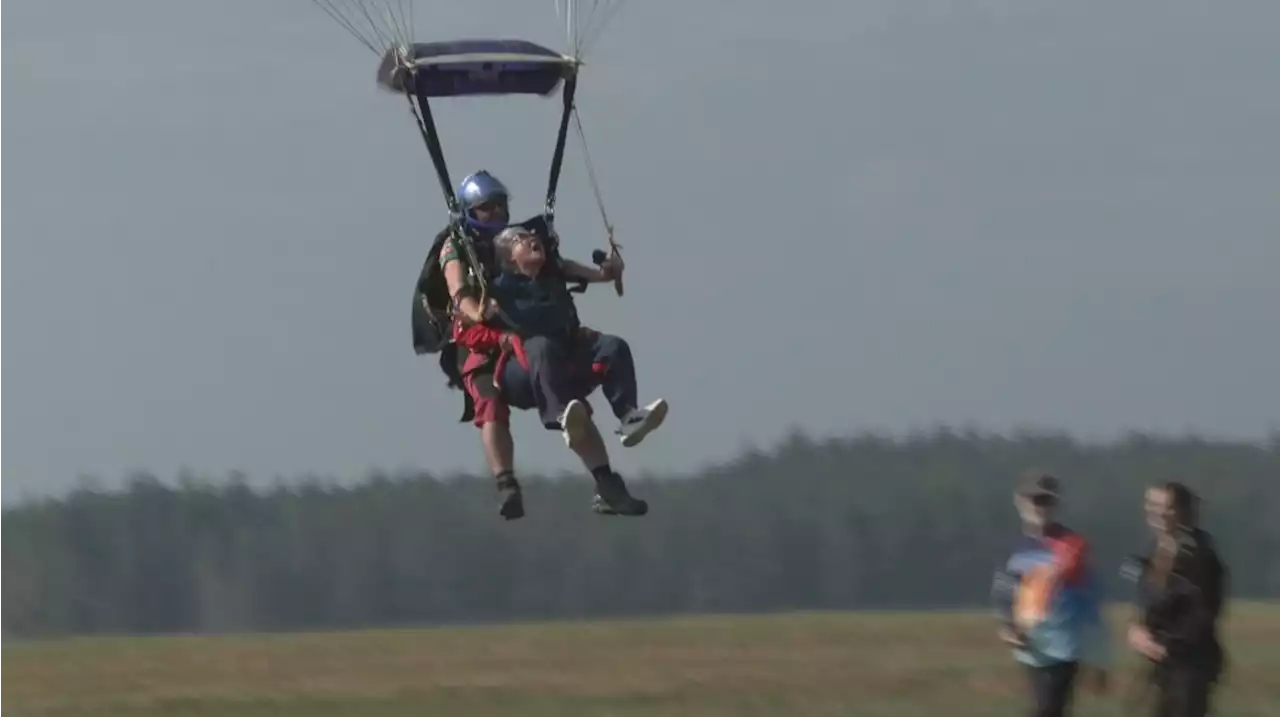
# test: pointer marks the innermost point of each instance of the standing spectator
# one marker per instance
(1050, 601)
(1181, 584)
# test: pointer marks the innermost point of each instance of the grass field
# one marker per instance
(812, 664)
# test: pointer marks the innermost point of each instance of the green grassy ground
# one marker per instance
(865, 665)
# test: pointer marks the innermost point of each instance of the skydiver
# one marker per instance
(543, 376)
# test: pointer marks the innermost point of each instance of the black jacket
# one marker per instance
(1182, 613)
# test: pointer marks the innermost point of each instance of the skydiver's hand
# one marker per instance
(1141, 640)
(470, 311)
(1157, 652)
(612, 267)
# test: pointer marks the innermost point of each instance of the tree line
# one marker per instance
(861, 522)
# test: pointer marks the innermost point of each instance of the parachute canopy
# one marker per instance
(422, 71)
(474, 67)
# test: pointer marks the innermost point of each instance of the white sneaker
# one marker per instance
(574, 422)
(640, 422)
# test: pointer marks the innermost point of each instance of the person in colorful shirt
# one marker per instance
(1050, 601)
(552, 373)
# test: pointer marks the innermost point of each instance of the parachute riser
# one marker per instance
(431, 137)
(562, 135)
(420, 106)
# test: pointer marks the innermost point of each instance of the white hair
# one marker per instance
(506, 240)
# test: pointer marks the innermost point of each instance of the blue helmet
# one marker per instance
(476, 189)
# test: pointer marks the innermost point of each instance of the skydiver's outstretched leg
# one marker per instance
(549, 382)
(612, 365)
(584, 439)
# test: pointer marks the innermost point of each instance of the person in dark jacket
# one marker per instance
(1181, 588)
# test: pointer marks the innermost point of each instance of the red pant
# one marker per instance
(480, 344)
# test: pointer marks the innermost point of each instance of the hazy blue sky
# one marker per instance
(836, 215)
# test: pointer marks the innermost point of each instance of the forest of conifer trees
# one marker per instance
(862, 522)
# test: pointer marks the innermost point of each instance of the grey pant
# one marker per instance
(561, 370)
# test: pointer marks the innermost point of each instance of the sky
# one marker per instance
(836, 217)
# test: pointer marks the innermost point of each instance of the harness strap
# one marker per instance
(513, 347)
(557, 157)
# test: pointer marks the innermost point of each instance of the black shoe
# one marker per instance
(509, 494)
(612, 498)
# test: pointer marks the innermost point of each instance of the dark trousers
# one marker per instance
(561, 370)
(1182, 690)
(1052, 688)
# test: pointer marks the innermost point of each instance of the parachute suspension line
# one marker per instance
(412, 22)
(584, 21)
(614, 246)
(562, 134)
(401, 20)
(430, 137)
(591, 173)
(377, 24)
(346, 23)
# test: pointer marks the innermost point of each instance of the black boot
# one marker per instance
(613, 498)
(512, 502)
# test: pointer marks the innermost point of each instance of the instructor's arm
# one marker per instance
(464, 298)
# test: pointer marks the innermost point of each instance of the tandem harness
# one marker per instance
(433, 323)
